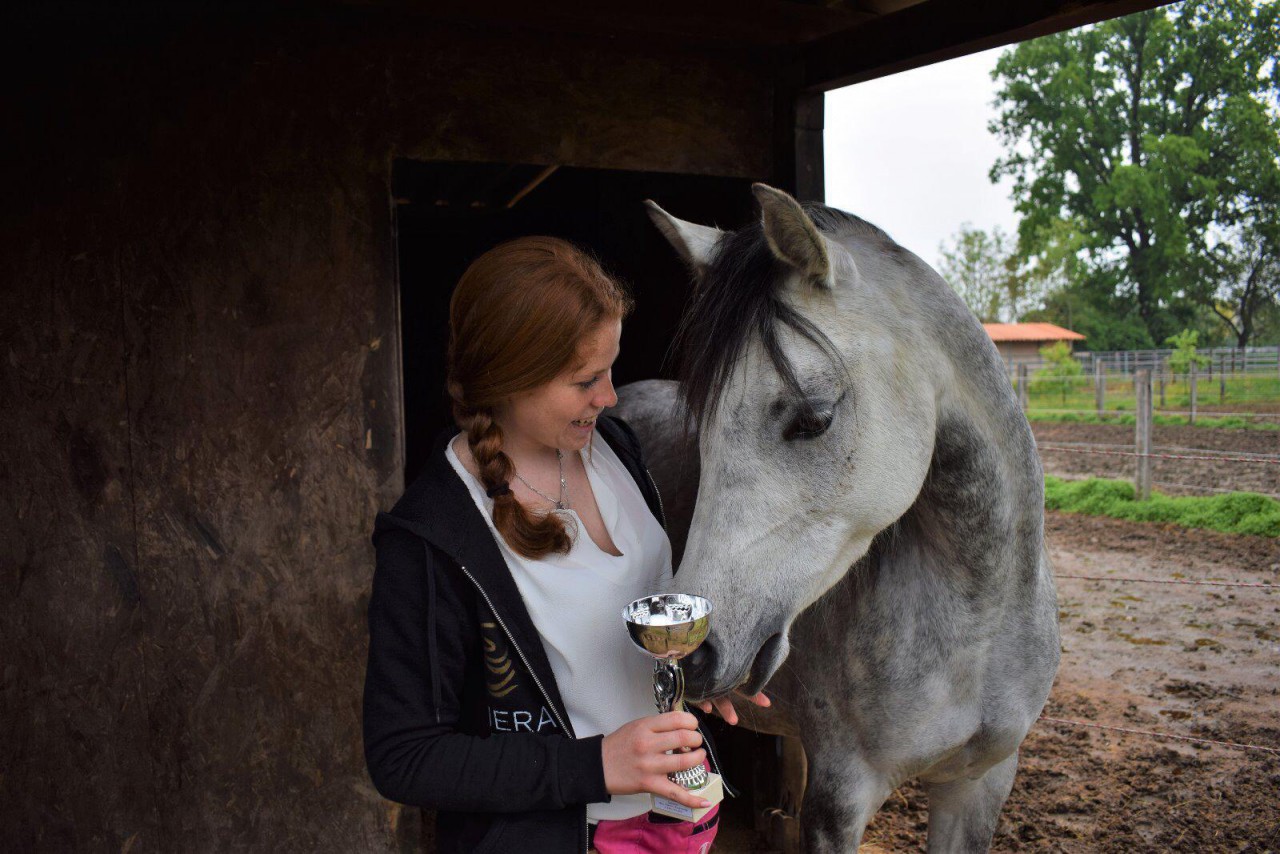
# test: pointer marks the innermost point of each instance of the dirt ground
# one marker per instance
(1196, 477)
(1188, 660)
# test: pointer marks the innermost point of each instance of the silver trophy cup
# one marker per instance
(668, 627)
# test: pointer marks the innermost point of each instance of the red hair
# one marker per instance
(516, 321)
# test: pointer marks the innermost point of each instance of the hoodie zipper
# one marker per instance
(662, 513)
(536, 681)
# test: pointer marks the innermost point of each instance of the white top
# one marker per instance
(576, 603)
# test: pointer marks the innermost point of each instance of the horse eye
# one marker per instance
(808, 424)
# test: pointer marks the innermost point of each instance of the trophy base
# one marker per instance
(713, 792)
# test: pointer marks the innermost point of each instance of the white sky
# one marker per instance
(911, 153)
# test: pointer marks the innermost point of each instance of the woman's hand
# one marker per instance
(724, 706)
(636, 758)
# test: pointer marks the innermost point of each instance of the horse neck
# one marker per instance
(978, 518)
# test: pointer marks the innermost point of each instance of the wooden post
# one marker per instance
(783, 822)
(1222, 377)
(1142, 434)
(1160, 376)
(1099, 388)
(1022, 385)
(1192, 381)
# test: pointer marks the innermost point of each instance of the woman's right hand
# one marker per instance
(636, 758)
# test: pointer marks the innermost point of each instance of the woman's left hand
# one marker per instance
(724, 706)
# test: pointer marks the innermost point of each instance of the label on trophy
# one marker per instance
(666, 806)
(713, 791)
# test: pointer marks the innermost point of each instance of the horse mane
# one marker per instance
(740, 293)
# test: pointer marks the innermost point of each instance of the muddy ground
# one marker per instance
(1182, 659)
(1172, 476)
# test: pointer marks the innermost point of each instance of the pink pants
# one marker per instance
(652, 834)
(641, 835)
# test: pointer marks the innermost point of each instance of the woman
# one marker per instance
(502, 690)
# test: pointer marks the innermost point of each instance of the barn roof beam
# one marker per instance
(938, 30)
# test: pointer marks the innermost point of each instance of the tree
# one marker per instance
(1136, 140)
(985, 271)
(1184, 352)
(1061, 370)
(1249, 283)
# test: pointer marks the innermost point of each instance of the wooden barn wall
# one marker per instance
(201, 390)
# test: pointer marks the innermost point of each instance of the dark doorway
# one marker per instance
(449, 213)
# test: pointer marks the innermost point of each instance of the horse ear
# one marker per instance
(792, 236)
(693, 243)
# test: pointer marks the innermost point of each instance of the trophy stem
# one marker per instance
(668, 685)
(668, 695)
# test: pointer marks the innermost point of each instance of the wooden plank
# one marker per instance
(810, 166)
(945, 29)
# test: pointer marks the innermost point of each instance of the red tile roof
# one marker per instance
(1001, 332)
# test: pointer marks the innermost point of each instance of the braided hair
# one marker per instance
(516, 320)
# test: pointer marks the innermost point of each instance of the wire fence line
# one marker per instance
(1100, 393)
(1232, 745)
(1143, 452)
(1271, 461)
(1121, 413)
(1250, 455)
(1261, 585)
(1258, 359)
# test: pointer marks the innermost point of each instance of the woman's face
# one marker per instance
(562, 413)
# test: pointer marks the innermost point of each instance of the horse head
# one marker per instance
(811, 363)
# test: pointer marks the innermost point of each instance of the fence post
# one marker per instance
(1142, 434)
(1222, 377)
(1191, 379)
(1022, 385)
(1278, 361)
(1099, 388)
(1160, 376)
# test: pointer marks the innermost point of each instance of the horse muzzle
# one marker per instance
(705, 677)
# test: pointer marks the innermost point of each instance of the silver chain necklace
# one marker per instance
(561, 503)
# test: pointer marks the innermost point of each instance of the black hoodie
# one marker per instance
(461, 709)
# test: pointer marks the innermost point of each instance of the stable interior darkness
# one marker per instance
(447, 214)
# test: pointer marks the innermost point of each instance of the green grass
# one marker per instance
(1244, 393)
(1232, 513)
(1232, 422)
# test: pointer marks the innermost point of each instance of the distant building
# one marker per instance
(1021, 342)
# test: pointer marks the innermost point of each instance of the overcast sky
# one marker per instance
(911, 153)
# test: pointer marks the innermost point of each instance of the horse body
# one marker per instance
(868, 519)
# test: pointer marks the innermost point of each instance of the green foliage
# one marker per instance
(1134, 145)
(1059, 371)
(1184, 352)
(985, 271)
(1247, 271)
(1226, 422)
(1105, 324)
(1233, 513)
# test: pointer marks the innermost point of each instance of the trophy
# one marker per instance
(668, 627)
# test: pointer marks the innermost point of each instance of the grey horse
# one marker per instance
(864, 505)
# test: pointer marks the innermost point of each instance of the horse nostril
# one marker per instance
(699, 663)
